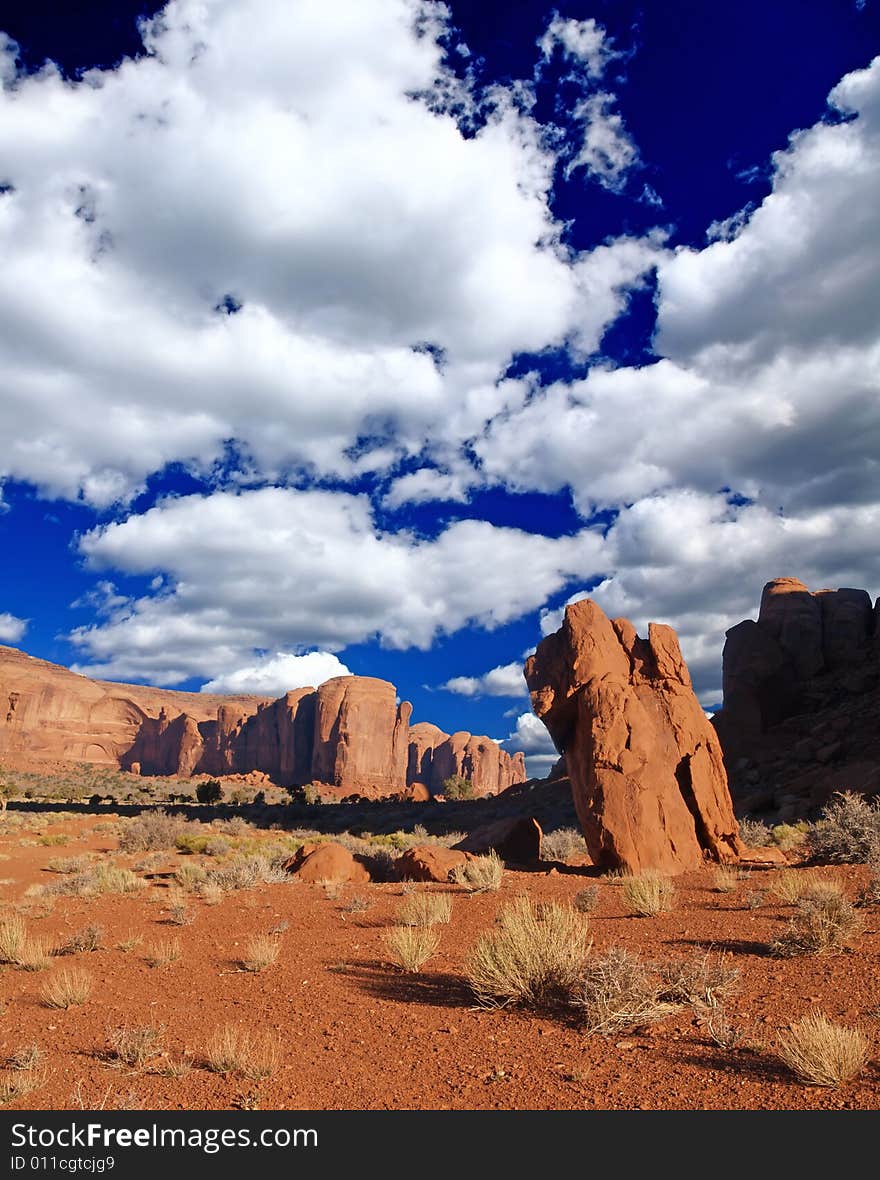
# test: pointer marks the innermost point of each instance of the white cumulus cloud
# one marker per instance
(504, 681)
(274, 675)
(12, 629)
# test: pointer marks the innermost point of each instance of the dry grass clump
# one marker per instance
(357, 904)
(698, 980)
(585, 900)
(211, 893)
(562, 844)
(261, 952)
(411, 946)
(90, 938)
(483, 874)
(20, 1083)
(162, 952)
(27, 1057)
(13, 935)
(151, 831)
(790, 885)
(619, 991)
(35, 954)
(245, 871)
(822, 923)
(130, 941)
(647, 894)
(67, 989)
(69, 864)
(725, 879)
(822, 1053)
(134, 1045)
(425, 909)
(103, 878)
(232, 1049)
(189, 877)
(532, 957)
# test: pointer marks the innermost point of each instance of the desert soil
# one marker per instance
(357, 1033)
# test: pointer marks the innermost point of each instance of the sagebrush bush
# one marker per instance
(822, 1053)
(754, 833)
(425, 909)
(848, 830)
(90, 938)
(151, 831)
(647, 894)
(617, 991)
(585, 900)
(562, 844)
(411, 946)
(481, 874)
(823, 922)
(533, 956)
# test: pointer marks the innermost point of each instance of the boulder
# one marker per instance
(517, 840)
(430, 862)
(327, 862)
(645, 765)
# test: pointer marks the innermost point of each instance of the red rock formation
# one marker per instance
(645, 764)
(435, 756)
(801, 697)
(349, 735)
(430, 862)
(517, 840)
(327, 862)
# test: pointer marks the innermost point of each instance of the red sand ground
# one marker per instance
(358, 1034)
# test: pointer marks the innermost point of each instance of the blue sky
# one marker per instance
(365, 335)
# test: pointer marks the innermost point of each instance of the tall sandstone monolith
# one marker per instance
(645, 765)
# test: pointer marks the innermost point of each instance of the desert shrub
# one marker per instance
(822, 1053)
(618, 990)
(848, 830)
(54, 840)
(67, 989)
(209, 792)
(358, 904)
(179, 913)
(425, 909)
(458, 787)
(788, 836)
(246, 871)
(69, 864)
(562, 844)
(725, 879)
(482, 874)
(87, 939)
(210, 892)
(103, 878)
(129, 943)
(232, 1049)
(189, 876)
(217, 846)
(261, 952)
(151, 832)
(411, 946)
(162, 952)
(698, 980)
(647, 894)
(585, 900)
(134, 1045)
(754, 833)
(19, 1084)
(822, 922)
(532, 957)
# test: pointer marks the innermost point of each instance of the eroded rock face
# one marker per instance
(645, 765)
(349, 734)
(801, 698)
